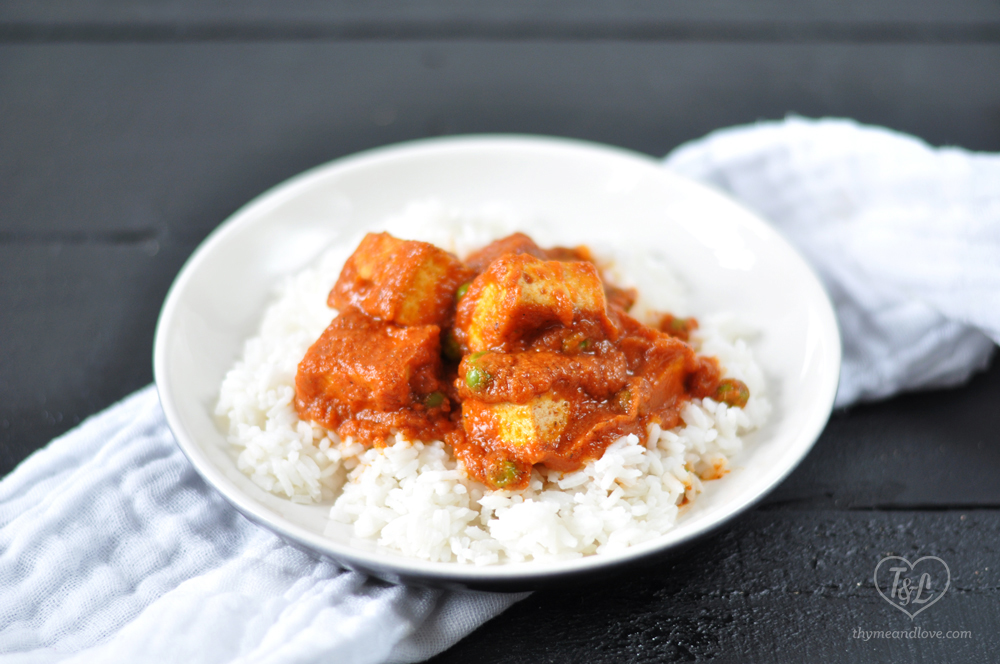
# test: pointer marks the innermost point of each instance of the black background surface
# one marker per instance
(129, 130)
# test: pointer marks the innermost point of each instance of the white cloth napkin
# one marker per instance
(113, 550)
(905, 237)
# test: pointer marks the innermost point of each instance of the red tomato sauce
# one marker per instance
(515, 356)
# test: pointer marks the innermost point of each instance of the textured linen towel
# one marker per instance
(113, 550)
(905, 237)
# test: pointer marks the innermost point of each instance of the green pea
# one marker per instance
(585, 344)
(462, 290)
(624, 399)
(476, 378)
(434, 399)
(732, 392)
(505, 473)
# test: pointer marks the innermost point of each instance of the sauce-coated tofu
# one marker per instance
(401, 281)
(359, 365)
(518, 243)
(519, 294)
(532, 429)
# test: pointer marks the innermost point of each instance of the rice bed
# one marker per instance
(412, 497)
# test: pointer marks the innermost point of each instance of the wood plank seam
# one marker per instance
(109, 237)
(519, 30)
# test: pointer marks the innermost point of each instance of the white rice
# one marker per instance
(412, 497)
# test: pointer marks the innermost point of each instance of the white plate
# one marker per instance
(729, 258)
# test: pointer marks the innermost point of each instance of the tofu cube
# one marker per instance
(360, 364)
(532, 430)
(519, 294)
(518, 243)
(400, 281)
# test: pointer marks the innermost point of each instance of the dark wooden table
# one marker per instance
(128, 130)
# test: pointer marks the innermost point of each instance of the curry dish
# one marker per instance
(515, 356)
